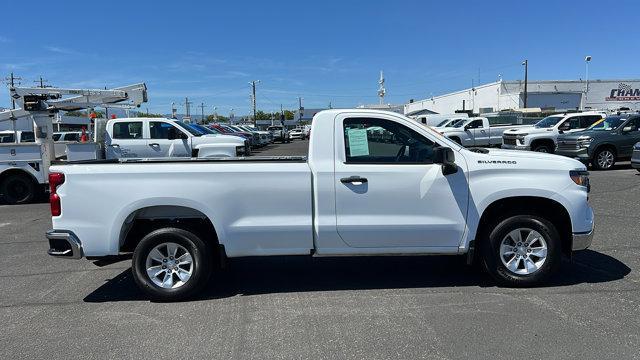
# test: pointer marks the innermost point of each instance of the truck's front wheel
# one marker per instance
(171, 264)
(522, 251)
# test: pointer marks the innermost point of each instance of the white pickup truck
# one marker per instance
(543, 136)
(411, 191)
(476, 131)
(159, 137)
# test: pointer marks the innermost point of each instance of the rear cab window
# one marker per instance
(127, 130)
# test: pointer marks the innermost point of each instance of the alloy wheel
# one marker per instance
(169, 265)
(605, 159)
(523, 251)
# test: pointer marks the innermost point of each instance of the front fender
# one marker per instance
(217, 150)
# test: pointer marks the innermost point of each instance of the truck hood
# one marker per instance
(217, 139)
(528, 130)
(517, 159)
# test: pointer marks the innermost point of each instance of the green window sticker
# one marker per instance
(358, 142)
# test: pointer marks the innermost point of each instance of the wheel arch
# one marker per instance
(17, 171)
(546, 208)
(141, 221)
(543, 141)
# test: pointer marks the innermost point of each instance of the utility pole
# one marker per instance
(41, 81)
(202, 111)
(187, 104)
(11, 80)
(526, 71)
(587, 60)
(253, 100)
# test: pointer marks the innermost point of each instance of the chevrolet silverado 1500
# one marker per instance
(476, 131)
(408, 190)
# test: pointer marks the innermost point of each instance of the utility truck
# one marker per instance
(476, 131)
(24, 164)
(374, 183)
(543, 136)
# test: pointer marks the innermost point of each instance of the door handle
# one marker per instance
(355, 180)
(114, 145)
(154, 144)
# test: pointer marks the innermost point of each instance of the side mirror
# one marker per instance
(627, 129)
(446, 157)
(565, 127)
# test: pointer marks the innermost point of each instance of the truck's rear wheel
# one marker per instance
(522, 251)
(171, 264)
(18, 189)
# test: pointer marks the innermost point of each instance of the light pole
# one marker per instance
(587, 60)
(526, 71)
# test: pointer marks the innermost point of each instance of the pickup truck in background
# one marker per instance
(476, 131)
(163, 138)
(279, 133)
(375, 183)
(604, 142)
(446, 123)
(543, 136)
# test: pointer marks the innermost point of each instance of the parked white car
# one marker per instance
(476, 131)
(296, 133)
(543, 136)
(356, 194)
(165, 138)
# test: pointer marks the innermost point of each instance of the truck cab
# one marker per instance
(159, 137)
(543, 136)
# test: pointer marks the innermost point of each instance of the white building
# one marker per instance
(545, 94)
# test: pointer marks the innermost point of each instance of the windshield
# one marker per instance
(458, 123)
(443, 122)
(202, 129)
(609, 123)
(188, 128)
(548, 122)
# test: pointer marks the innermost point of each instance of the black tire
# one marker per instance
(18, 189)
(490, 248)
(543, 148)
(604, 152)
(200, 252)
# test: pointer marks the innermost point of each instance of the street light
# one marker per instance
(587, 60)
(526, 70)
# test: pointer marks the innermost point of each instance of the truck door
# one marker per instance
(166, 140)
(389, 193)
(125, 140)
(478, 133)
(629, 137)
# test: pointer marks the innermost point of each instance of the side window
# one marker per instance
(160, 130)
(72, 137)
(27, 136)
(378, 141)
(572, 123)
(587, 121)
(127, 130)
(634, 124)
(475, 124)
(56, 137)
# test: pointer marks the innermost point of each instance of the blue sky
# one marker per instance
(320, 50)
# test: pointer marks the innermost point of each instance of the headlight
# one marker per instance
(584, 141)
(521, 136)
(637, 146)
(580, 177)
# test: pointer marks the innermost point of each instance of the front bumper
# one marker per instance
(515, 147)
(581, 154)
(64, 244)
(581, 241)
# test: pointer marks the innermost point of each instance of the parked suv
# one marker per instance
(604, 142)
(542, 136)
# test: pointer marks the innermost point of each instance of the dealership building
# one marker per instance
(544, 94)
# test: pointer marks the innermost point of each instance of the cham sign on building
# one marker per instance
(624, 92)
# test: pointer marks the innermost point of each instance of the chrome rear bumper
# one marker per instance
(64, 244)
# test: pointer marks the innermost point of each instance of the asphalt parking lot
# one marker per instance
(352, 308)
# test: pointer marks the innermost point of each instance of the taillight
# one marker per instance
(55, 180)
